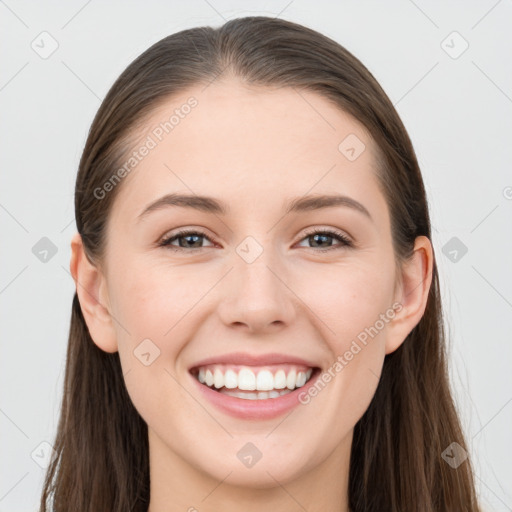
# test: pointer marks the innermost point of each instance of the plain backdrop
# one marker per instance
(446, 68)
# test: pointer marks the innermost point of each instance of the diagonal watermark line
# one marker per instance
(284, 9)
(503, 407)
(14, 14)
(503, 297)
(12, 280)
(198, 301)
(492, 81)
(205, 409)
(14, 486)
(14, 423)
(377, 376)
(293, 410)
(76, 14)
(424, 14)
(485, 14)
(313, 108)
(14, 76)
(286, 491)
(66, 226)
(215, 78)
(217, 486)
(80, 80)
(301, 300)
(484, 218)
(496, 478)
(395, 104)
(13, 217)
(215, 10)
(494, 493)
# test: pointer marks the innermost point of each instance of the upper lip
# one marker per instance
(242, 358)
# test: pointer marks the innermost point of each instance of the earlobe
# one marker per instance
(91, 291)
(412, 294)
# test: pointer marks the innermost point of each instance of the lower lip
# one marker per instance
(256, 409)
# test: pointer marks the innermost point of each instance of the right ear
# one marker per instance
(93, 297)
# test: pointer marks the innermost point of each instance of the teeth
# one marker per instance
(230, 379)
(291, 380)
(246, 379)
(255, 395)
(218, 379)
(265, 383)
(280, 380)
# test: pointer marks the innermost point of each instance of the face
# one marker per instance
(253, 281)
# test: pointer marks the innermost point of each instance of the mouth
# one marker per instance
(247, 382)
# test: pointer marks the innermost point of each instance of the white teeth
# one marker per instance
(218, 379)
(230, 379)
(280, 380)
(265, 381)
(246, 380)
(291, 380)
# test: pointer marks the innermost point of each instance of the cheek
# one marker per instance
(152, 299)
(347, 299)
(152, 305)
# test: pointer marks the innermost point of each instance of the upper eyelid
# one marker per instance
(310, 231)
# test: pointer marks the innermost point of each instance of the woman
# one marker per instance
(219, 355)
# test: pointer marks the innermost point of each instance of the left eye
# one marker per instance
(194, 237)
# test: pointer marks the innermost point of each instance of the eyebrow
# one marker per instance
(211, 205)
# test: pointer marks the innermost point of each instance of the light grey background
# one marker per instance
(457, 109)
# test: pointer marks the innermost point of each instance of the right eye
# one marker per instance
(191, 235)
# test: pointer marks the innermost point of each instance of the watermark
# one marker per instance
(157, 135)
(348, 355)
(454, 455)
(351, 147)
(454, 44)
(43, 454)
(454, 249)
(146, 352)
(44, 45)
(249, 455)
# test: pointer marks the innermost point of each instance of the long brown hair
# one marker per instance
(102, 459)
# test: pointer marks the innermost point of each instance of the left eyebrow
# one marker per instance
(317, 202)
(214, 206)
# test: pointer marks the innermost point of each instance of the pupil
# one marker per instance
(187, 237)
(320, 235)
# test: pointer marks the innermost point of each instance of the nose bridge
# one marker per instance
(257, 295)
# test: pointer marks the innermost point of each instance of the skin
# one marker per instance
(254, 149)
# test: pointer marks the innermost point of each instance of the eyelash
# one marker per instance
(166, 242)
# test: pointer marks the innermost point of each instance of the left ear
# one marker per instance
(412, 294)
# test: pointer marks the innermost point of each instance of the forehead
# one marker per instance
(249, 146)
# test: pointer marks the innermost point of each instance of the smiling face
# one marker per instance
(251, 279)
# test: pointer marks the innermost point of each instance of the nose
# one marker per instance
(256, 297)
